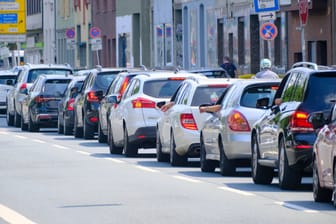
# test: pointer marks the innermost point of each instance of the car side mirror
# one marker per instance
(99, 94)
(319, 119)
(112, 99)
(160, 104)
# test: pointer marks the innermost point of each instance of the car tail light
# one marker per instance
(299, 122)
(91, 97)
(188, 121)
(23, 86)
(238, 122)
(70, 104)
(176, 78)
(143, 103)
(94, 119)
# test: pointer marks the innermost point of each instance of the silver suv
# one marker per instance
(26, 77)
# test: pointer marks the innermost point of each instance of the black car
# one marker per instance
(39, 108)
(283, 138)
(87, 102)
(65, 123)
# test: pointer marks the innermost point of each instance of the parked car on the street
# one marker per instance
(133, 118)
(65, 122)
(40, 106)
(7, 81)
(117, 87)
(87, 102)
(225, 136)
(27, 75)
(283, 137)
(178, 129)
(324, 155)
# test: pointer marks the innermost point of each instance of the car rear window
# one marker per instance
(104, 79)
(161, 88)
(252, 94)
(207, 94)
(55, 87)
(320, 93)
(34, 73)
(5, 78)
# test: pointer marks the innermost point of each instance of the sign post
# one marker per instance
(96, 43)
(303, 11)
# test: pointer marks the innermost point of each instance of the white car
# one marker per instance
(226, 134)
(7, 80)
(133, 118)
(178, 130)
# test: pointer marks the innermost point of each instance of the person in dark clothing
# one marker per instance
(229, 67)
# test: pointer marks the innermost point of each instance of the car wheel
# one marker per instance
(226, 166)
(176, 159)
(60, 127)
(320, 194)
(9, 118)
(24, 127)
(67, 129)
(113, 148)
(260, 174)
(78, 131)
(207, 165)
(88, 130)
(102, 138)
(129, 149)
(334, 187)
(288, 178)
(160, 156)
(17, 119)
(32, 127)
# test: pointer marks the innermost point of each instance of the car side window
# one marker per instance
(290, 87)
(184, 97)
(129, 90)
(180, 93)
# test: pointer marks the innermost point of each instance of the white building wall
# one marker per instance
(124, 27)
(49, 31)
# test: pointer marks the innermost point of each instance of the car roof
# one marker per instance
(56, 76)
(166, 74)
(7, 73)
(41, 66)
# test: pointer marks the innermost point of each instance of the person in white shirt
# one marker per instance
(265, 70)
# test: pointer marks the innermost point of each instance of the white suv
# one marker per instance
(132, 120)
(27, 75)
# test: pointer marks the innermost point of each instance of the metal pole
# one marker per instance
(303, 44)
(97, 57)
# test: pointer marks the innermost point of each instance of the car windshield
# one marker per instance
(34, 73)
(55, 87)
(161, 88)
(252, 94)
(207, 94)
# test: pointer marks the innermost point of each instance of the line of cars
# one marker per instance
(268, 125)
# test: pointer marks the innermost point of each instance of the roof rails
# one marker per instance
(310, 65)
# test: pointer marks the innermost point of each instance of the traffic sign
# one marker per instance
(70, 33)
(303, 11)
(266, 5)
(95, 32)
(268, 31)
(266, 16)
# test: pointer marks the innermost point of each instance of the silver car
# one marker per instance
(178, 130)
(225, 137)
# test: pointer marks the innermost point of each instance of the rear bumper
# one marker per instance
(144, 137)
(47, 120)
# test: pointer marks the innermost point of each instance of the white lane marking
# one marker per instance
(187, 179)
(84, 153)
(39, 141)
(19, 136)
(147, 169)
(236, 191)
(13, 217)
(295, 207)
(115, 160)
(60, 146)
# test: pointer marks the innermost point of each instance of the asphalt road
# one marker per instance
(48, 178)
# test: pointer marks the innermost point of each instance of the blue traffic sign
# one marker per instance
(266, 5)
(95, 32)
(268, 31)
(9, 18)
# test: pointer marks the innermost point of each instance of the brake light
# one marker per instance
(23, 86)
(237, 121)
(143, 103)
(300, 122)
(93, 119)
(176, 78)
(188, 121)
(91, 96)
(70, 104)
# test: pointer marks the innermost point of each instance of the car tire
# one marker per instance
(67, 129)
(9, 118)
(176, 159)
(24, 127)
(289, 179)
(320, 194)
(102, 138)
(226, 166)
(17, 119)
(113, 148)
(88, 130)
(207, 165)
(160, 156)
(260, 174)
(129, 149)
(32, 127)
(60, 127)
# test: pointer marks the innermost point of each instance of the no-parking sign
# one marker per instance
(268, 31)
(95, 32)
(70, 33)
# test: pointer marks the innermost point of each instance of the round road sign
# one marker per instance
(95, 32)
(268, 31)
(70, 33)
